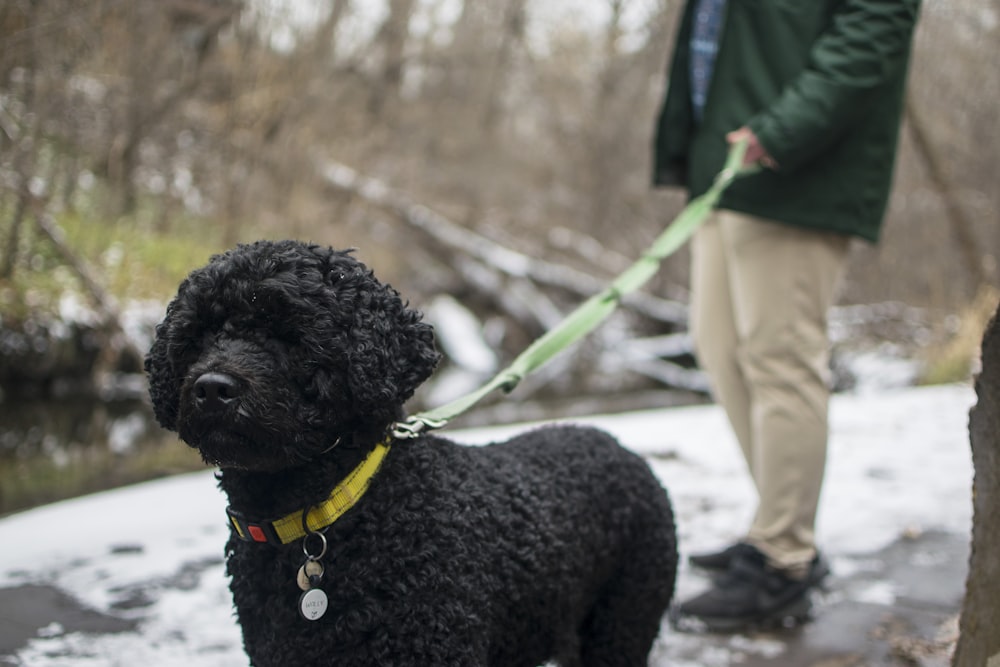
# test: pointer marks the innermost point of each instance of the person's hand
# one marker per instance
(755, 152)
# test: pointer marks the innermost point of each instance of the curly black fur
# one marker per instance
(556, 545)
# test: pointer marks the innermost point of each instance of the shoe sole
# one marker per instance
(816, 579)
(795, 613)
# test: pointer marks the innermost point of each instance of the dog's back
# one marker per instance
(584, 555)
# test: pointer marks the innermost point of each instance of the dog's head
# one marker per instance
(273, 350)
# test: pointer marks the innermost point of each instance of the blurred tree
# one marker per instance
(979, 641)
(527, 121)
(391, 40)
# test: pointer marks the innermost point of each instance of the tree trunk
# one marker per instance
(961, 224)
(979, 640)
(325, 39)
(392, 37)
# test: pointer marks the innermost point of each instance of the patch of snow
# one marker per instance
(459, 332)
(878, 592)
(879, 369)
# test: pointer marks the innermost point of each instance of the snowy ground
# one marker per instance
(140, 568)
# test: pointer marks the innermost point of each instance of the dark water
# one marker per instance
(60, 448)
(79, 440)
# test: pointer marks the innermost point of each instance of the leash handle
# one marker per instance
(594, 310)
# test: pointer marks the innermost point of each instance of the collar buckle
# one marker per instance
(253, 531)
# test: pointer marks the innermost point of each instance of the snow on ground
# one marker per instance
(899, 463)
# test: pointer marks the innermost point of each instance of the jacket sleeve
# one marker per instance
(865, 47)
(672, 134)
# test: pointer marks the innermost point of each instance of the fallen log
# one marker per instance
(509, 262)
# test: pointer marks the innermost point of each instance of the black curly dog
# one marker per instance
(285, 365)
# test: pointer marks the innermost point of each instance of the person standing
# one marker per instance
(815, 88)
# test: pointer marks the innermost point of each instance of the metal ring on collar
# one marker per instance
(305, 545)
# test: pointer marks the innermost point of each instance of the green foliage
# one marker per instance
(137, 262)
(958, 358)
(130, 259)
(955, 366)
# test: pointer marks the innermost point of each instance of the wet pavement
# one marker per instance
(36, 610)
(898, 606)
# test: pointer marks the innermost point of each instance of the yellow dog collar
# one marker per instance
(292, 526)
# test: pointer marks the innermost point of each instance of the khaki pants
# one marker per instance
(760, 295)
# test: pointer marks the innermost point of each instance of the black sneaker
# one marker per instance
(819, 570)
(718, 562)
(750, 595)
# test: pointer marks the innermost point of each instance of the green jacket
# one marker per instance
(821, 84)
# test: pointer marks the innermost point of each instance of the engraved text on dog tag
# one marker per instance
(312, 604)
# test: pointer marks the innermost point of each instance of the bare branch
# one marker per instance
(510, 262)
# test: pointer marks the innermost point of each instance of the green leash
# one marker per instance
(594, 310)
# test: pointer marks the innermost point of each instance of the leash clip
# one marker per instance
(414, 426)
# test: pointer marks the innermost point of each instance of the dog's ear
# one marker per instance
(390, 353)
(386, 370)
(164, 379)
(175, 345)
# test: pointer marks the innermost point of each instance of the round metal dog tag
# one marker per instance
(312, 604)
(310, 569)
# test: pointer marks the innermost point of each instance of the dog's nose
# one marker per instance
(214, 391)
